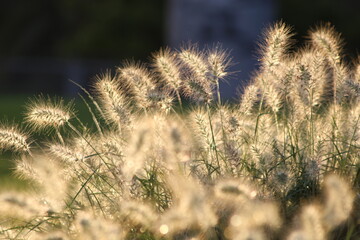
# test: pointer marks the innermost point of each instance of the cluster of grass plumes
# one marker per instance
(283, 163)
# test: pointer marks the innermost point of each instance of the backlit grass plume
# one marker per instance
(139, 83)
(196, 84)
(167, 66)
(329, 42)
(115, 106)
(283, 163)
(275, 46)
(249, 99)
(326, 39)
(11, 138)
(43, 113)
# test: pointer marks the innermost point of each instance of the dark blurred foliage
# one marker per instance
(118, 29)
(342, 14)
(114, 29)
(43, 43)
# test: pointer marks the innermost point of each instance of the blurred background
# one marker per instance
(44, 43)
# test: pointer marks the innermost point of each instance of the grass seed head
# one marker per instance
(11, 138)
(139, 148)
(328, 41)
(275, 46)
(139, 82)
(195, 61)
(113, 144)
(191, 201)
(312, 75)
(115, 105)
(197, 84)
(311, 225)
(200, 92)
(338, 202)
(219, 61)
(45, 113)
(250, 218)
(168, 67)
(248, 99)
(64, 153)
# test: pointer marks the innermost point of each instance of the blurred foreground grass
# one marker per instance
(12, 109)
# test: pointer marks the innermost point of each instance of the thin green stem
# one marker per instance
(179, 100)
(218, 92)
(214, 147)
(59, 136)
(92, 115)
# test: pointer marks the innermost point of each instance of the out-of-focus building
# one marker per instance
(236, 24)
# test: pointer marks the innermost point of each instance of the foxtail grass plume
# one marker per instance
(311, 225)
(64, 153)
(11, 138)
(327, 40)
(207, 133)
(251, 218)
(115, 105)
(342, 91)
(24, 169)
(275, 46)
(112, 144)
(140, 83)
(194, 59)
(191, 210)
(165, 102)
(45, 113)
(338, 201)
(274, 77)
(173, 142)
(219, 61)
(167, 66)
(196, 84)
(270, 89)
(191, 201)
(139, 148)
(248, 99)
(312, 76)
(48, 175)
